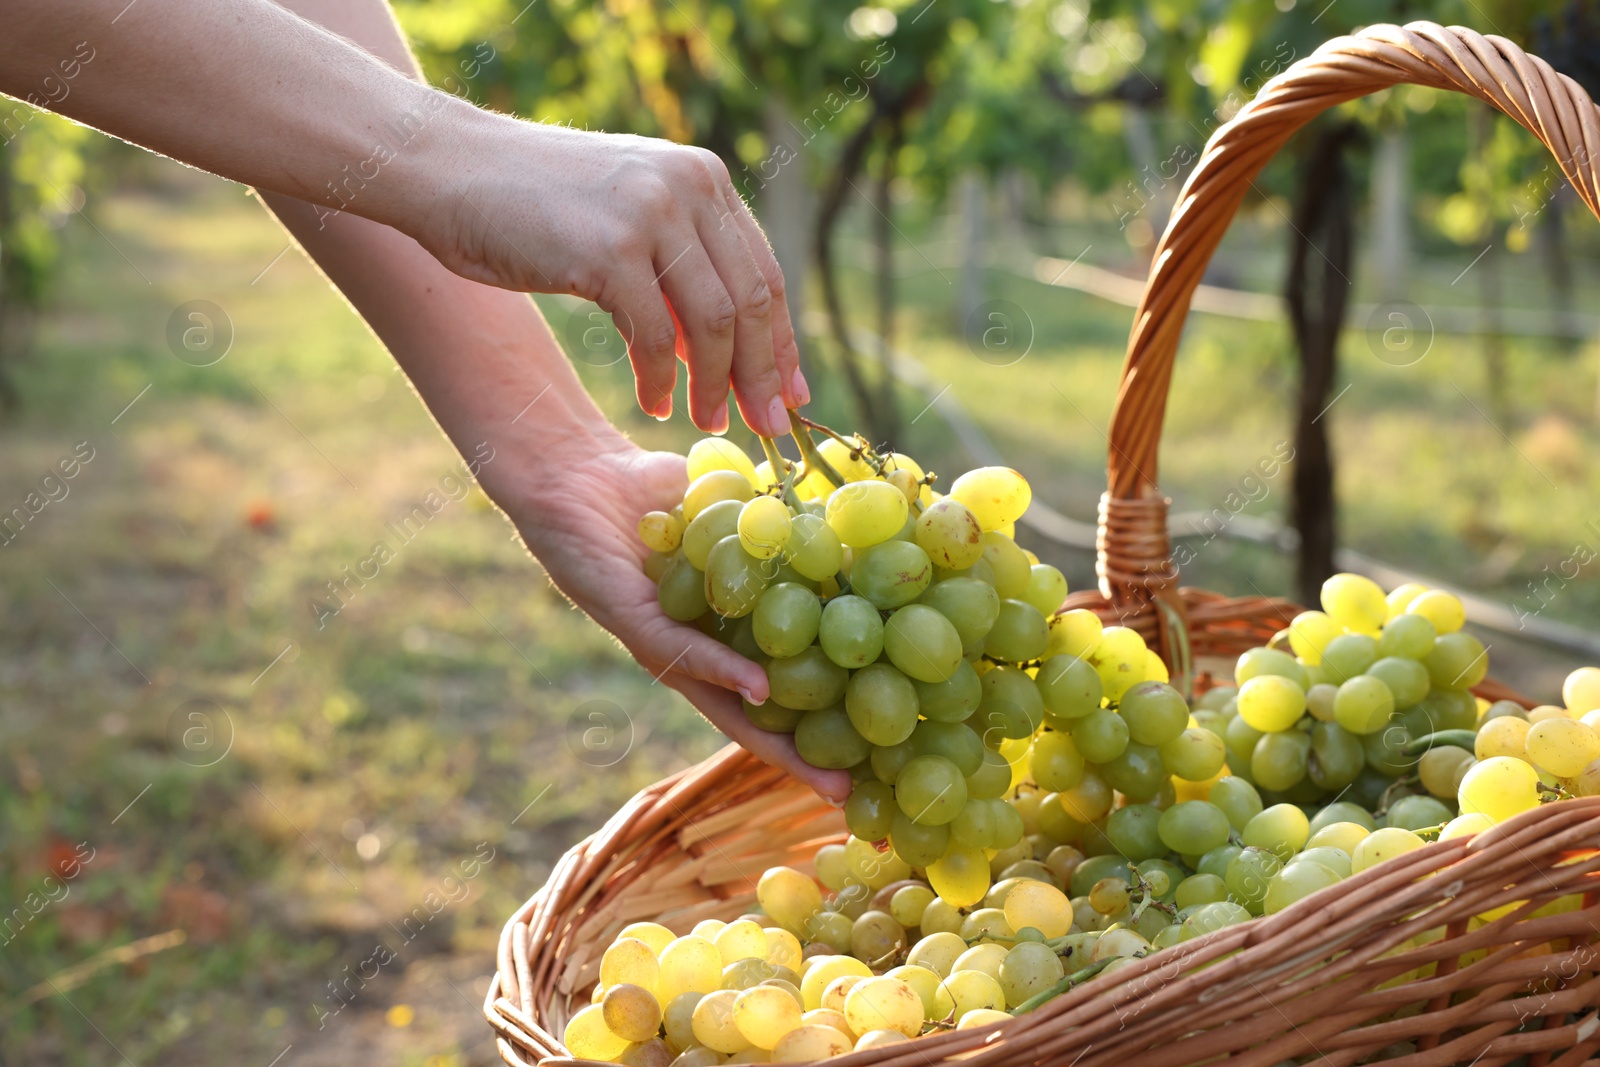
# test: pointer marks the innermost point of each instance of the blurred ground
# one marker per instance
(289, 797)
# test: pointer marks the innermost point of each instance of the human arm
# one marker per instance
(651, 231)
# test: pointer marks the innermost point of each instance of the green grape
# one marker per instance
(826, 739)
(1406, 679)
(996, 495)
(956, 742)
(972, 606)
(1337, 756)
(1271, 703)
(1137, 774)
(1280, 760)
(1213, 721)
(656, 564)
(1216, 698)
(1047, 589)
(974, 825)
(909, 902)
(773, 717)
(1417, 813)
(1348, 656)
(1449, 709)
(1241, 738)
(870, 810)
(1195, 755)
(1209, 918)
(786, 618)
(1200, 889)
(1008, 827)
(1441, 769)
(682, 592)
(1193, 827)
(1069, 687)
(1355, 601)
(890, 574)
(1216, 861)
(1249, 875)
(1029, 969)
(1281, 829)
(1238, 800)
(1019, 633)
(992, 779)
(918, 845)
(866, 513)
(1309, 634)
(1109, 896)
(808, 681)
(876, 935)
(813, 548)
(1120, 658)
(1363, 704)
(955, 698)
(930, 790)
(949, 533)
(1259, 661)
(1055, 761)
(1155, 712)
(850, 631)
(888, 760)
(1011, 566)
(1319, 701)
(1294, 883)
(735, 579)
(1101, 736)
(764, 525)
(1134, 830)
(881, 703)
(1458, 661)
(1386, 750)
(1095, 869)
(1407, 636)
(1011, 706)
(712, 488)
(922, 643)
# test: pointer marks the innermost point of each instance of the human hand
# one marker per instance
(654, 233)
(582, 525)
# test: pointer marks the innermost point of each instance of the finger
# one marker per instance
(785, 350)
(664, 646)
(726, 713)
(639, 309)
(756, 384)
(707, 316)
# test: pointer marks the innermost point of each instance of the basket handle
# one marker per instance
(1135, 564)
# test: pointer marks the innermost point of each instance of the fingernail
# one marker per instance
(748, 699)
(719, 421)
(663, 410)
(832, 803)
(797, 386)
(777, 417)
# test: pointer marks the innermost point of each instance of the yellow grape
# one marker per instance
(1118, 943)
(1465, 826)
(815, 484)
(897, 461)
(1344, 836)
(764, 1014)
(713, 1022)
(838, 989)
(720, 454)
(698, 1055)
(1119, 658)
(960, 876)
(966, 991)
(1581, 692)
(678, 1019)
(908, 904)
(689, 964)
(661, 531)
(1354, 602)
(588, 1038)
(765, 479)
(1074, 633)
(1383, 844)
(1041, 906)
(921, 979)
(884, 1004)
(1309, 634)
(866, 513)
(832, 870)
(1503, 736)
(1401, 596)
(764, 525)
(985, 957)
(1500, 787)
(996, 495)
(828, 1017)
(906, 482)
(1089, 800)
(708, 928)
(630, 960)
(880, 1039)
(1546, 711)
(655, 935)
(937, 952)
(712, 487)
(982, 1017)
(816, 980)
(1271, 703)
(1563, 747)
(631, 1012)
(789, 897)
(651, 1053)
(783, 948)
(741, 939)
(806, 1043)
(1155, 668)
(1442, 609)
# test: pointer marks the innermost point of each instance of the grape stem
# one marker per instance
(798, 424)
(770, 448)
(1066, 983)
(1459, 738)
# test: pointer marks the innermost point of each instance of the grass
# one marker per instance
(339, 779)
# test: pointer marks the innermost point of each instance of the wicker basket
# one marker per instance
(1316, 980)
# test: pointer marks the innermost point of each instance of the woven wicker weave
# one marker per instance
(1317, 980)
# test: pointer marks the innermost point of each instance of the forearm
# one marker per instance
(263, 70)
